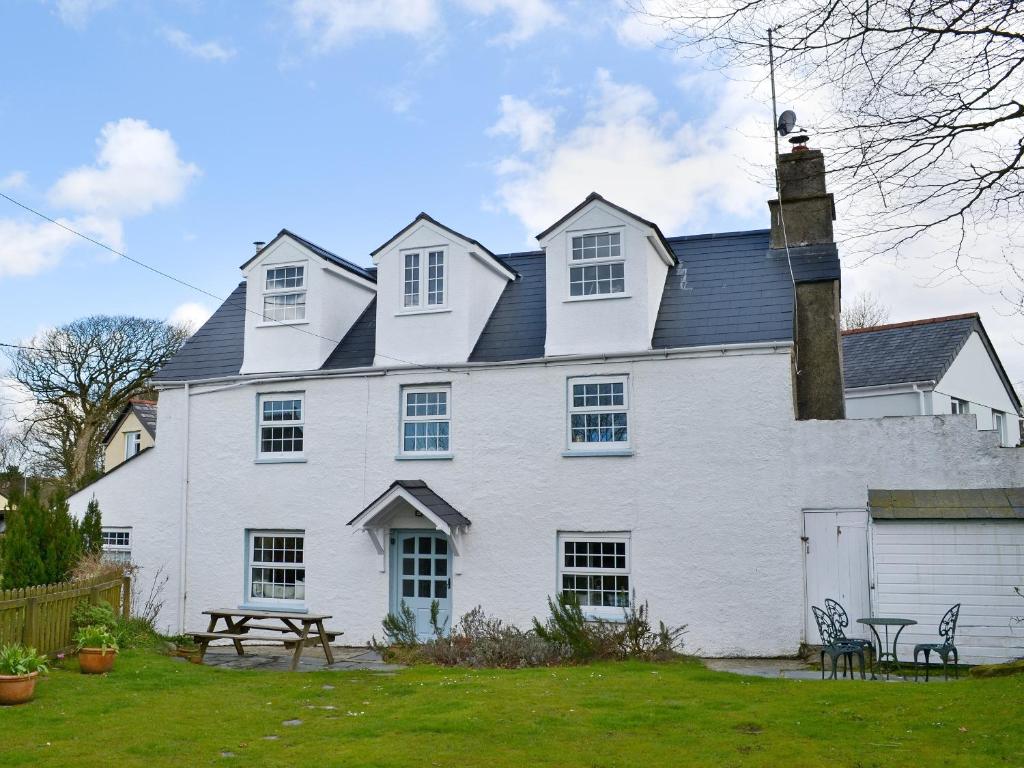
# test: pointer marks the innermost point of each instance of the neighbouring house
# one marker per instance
(133, 431)
(615, 414)
(3, 511)
(924, 367)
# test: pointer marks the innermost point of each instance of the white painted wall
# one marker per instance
(145, 495)
(713, 496)
(973, 377)
(924, 567)
(334, 300)
(609, 323)
(878, 405)
(425, 334)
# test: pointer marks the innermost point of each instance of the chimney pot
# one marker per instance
(259, 244)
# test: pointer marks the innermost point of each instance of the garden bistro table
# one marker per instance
(300, 630)
(886, 654)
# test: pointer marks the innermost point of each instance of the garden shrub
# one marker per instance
(128, 632)
(567, 636)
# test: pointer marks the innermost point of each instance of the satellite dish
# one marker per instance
(787, 121)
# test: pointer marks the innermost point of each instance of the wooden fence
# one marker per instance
(41, 616)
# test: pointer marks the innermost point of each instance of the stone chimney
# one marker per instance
(802, 219)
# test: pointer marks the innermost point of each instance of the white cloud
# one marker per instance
(137, 167)
(191, 315)
(628, 149)
(339, 22)
(211, 50)
(13, 180)
(531, 125)
(76, 13)
(529, 17)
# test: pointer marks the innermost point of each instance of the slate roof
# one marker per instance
(356, 350)
(423, 494)
(727, 288)
(216, 348)
(919, 350)
(348, 266)
(145, 412)
(973, 504)
(421, 216)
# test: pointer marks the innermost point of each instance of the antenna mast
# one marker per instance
(775, 116)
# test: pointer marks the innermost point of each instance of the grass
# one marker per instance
(153, 711)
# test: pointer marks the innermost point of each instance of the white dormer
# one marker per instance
(436, 289)
(606, 270)
(300, 301)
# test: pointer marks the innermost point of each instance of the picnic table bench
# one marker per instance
(295, 631)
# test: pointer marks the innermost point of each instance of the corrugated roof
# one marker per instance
(970, 504)
(728, 288)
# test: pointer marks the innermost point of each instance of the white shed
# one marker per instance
(914, 554)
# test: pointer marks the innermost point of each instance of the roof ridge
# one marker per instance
(912, 323)
(712, 235)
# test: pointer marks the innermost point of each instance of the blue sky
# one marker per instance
(182, 131)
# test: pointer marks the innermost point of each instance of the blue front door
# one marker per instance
(421, 573)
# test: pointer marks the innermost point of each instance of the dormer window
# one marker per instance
(284, 294)
(596, 265)
(427, 291)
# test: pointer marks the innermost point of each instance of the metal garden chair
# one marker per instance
(840, 621)
(947, 630)
(834, 646)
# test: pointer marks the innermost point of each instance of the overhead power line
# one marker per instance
(168, 276)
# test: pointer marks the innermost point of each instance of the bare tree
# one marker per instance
(81, 375)
(924, 115)
(863, 311)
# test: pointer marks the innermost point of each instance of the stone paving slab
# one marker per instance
(277, 658)
(793, 669)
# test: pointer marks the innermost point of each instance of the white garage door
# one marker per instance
(922, 567)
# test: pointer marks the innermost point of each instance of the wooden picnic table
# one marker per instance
(300, 630)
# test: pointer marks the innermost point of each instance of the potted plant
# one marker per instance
(97, 649)
(19, 670)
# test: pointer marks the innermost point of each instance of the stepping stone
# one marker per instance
(296, 721)
(328, 687)
(271, 737)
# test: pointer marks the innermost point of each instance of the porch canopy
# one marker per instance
(409, 496)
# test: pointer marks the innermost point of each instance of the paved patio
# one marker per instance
(795, 669)
(277, 658)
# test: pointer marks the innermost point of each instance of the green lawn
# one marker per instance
(153, 711)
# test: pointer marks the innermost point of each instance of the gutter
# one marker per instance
(883, 389)
(711, 350)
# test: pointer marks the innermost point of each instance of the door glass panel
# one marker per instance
(409, 546)
(425, 566)
(425, 545)
(407, 588)
(424, 588)
(408, 566)
(441, 546)
(440, 566)
(441, 589)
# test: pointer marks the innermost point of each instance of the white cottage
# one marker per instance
(615, 413)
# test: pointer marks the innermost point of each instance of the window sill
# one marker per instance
(597, 297)
(299, 609)
(432, 311)
(592, 453)
(280, 460)
(278, 323)
(425, 457)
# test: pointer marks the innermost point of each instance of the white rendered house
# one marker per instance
(617, 412)
(924, 367)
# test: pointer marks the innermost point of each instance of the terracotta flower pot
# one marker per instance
(17, 689)
(96, 661)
